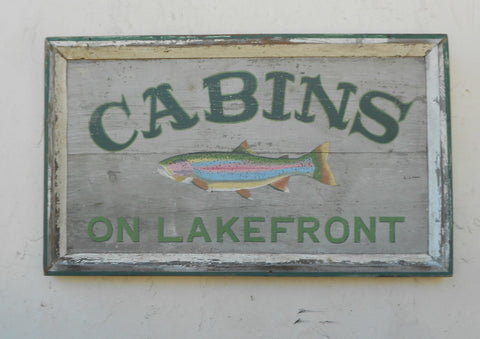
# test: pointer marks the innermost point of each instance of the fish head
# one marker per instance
(176, 168)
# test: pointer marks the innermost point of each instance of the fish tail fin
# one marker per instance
(322, 171)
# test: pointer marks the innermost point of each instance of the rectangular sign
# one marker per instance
(248, 155)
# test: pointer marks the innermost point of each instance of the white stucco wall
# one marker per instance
(34, 306)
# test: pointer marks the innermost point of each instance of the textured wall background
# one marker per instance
(150, 307)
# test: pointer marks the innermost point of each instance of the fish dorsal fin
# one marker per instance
(244, 148)
(281, 185)
(245, 193)
(284, 157)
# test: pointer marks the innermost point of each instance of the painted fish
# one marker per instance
(242, 170)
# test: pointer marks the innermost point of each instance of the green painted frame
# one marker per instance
(54, 264)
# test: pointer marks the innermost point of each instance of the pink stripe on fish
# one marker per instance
(251, 167)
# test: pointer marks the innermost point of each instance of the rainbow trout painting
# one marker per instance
(242, 170)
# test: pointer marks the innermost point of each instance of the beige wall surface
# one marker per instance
(35, 306)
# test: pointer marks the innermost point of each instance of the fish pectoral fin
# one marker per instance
(245, 193)
(200, 183)
(244, 148)
(281, 185)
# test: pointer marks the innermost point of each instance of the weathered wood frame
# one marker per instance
(433, 47)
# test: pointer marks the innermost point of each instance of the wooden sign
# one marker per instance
(248, 155)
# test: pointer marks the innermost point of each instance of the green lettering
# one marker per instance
(248, 230)
(202, 231)
(98, 133)
(277, 229)
(278, 101)
(373, 112)
(360, 225)
(133, 233)
(217, 98)
(335, 117)
(328, 230)
(392, 221)
(302, 229)
(161, 233)
(173, 108)
(92, 234)
(227, 228)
